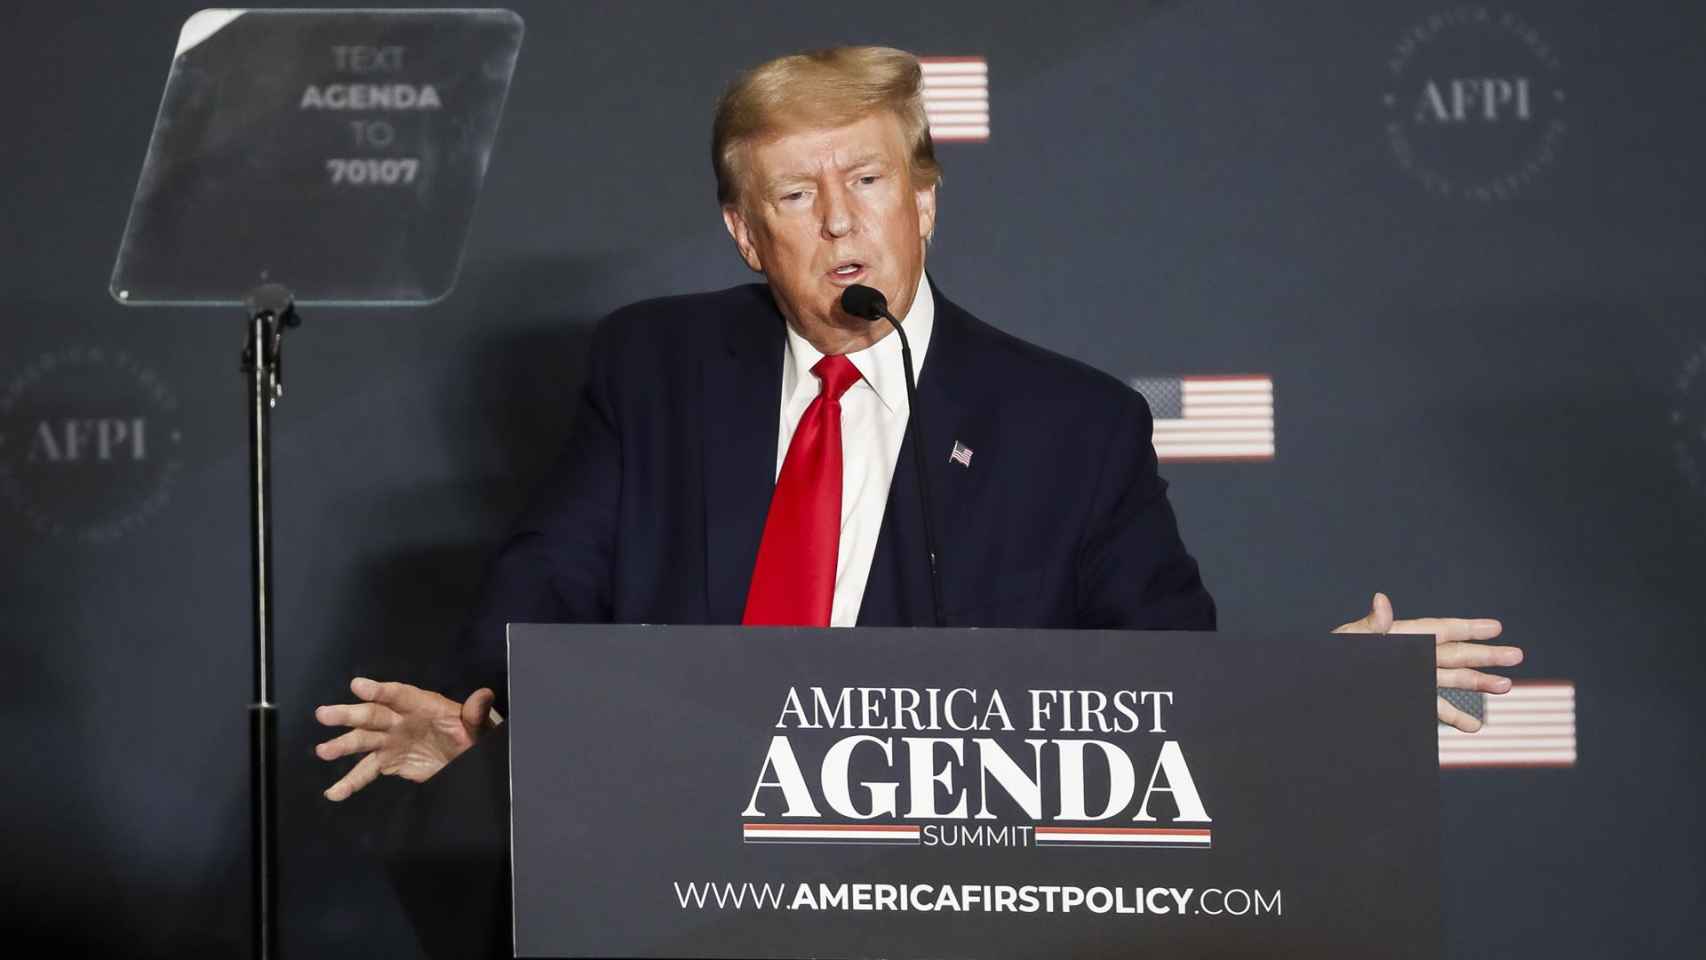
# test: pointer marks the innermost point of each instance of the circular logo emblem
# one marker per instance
(1474, 104)
(1688, 420)
(89, 444)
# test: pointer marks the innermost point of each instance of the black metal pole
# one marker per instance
(270, 311)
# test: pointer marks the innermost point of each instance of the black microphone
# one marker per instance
(870, 304)
(866, 302)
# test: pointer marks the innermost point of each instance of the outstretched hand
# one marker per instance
(404, 731)
(1458, 651)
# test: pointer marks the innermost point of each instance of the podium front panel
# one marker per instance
(741, 792)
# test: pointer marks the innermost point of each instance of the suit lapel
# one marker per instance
(898, 590)
(743, 383)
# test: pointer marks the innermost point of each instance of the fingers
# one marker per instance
(477, 708)
(390, 693)
(1443, 629)
(1451, 630)
(358, 777)
(355, 741)
(1378, 620)
(1476, 655)
(1466, 679)
(1457, 718)
(365, 716)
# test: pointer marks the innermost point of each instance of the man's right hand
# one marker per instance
(404, 731)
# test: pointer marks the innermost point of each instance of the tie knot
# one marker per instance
(837, 374)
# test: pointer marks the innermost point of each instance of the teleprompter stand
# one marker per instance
(271, 311)
(341, 152)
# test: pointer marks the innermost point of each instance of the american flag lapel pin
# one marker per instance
(961, 454)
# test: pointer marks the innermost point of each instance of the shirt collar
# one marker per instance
(879, 364)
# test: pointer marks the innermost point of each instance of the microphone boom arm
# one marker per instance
(916, 429)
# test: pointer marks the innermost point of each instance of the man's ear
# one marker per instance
(926, 200)
(735, 221)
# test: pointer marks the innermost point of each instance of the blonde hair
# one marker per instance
(822, 88)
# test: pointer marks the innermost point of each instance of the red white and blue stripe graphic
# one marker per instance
(956, 97)
(1211, 417)
(1533, 725)
(838, 833)
(1123, 837)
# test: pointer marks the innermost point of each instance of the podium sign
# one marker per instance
(739, 792)
(337, 152)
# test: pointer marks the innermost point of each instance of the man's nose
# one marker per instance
(837, 213)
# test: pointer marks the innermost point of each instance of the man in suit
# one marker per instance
(739, 455)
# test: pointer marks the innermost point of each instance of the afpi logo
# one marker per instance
(1474, 103)
(89, 443)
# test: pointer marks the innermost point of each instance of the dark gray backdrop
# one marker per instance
(1485, 406)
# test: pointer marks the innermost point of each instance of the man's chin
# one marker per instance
(822, 313)
(865, 278)
(842, 320)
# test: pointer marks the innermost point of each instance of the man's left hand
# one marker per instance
(1458, 650)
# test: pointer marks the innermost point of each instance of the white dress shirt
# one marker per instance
(873, 421)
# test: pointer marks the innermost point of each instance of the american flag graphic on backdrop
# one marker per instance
(1534, 725)
(1211, 417)
(956, 97)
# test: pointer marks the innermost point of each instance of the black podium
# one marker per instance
(739, 792)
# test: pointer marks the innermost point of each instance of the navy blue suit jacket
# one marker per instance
(655, 511)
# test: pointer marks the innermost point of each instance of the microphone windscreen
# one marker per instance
(862, 301)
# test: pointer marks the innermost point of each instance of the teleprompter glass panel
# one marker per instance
(337, 152)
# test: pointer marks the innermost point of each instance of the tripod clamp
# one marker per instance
(271, 310)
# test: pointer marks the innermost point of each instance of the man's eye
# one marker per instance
(869, 179)
(797, 194)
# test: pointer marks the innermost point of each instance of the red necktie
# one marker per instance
(793, 582)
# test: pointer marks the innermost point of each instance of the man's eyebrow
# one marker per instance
(866, 160)
(780, 181)
(806, 177)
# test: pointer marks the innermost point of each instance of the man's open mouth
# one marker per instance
(847, 271)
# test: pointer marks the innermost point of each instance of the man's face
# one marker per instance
(821, 210)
